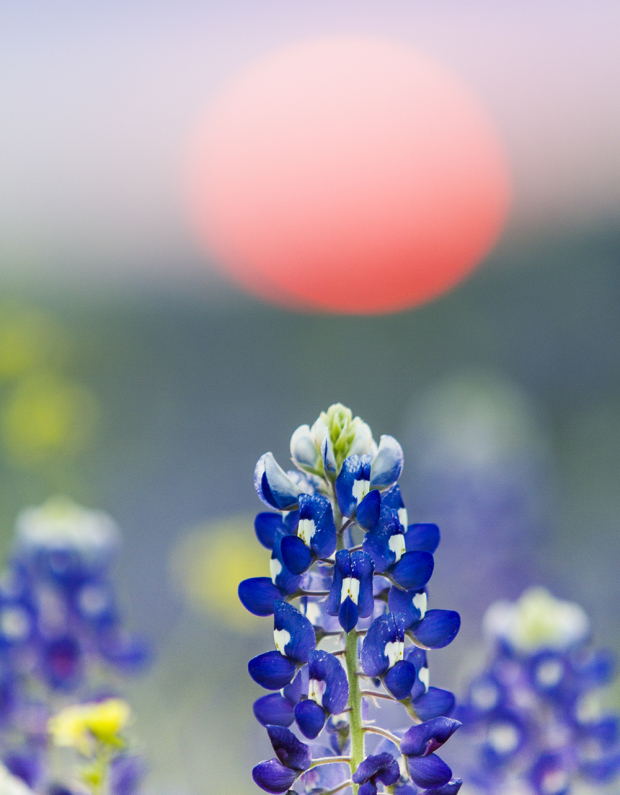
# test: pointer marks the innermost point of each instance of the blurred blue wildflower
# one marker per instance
(60, 632)
(533, 710)
(349, 574)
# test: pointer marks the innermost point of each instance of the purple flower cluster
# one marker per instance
(60, 634)
(534, 712)
(347, 593)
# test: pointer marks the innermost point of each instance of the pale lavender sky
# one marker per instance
(97, 100)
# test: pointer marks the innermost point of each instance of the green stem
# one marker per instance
(355, 705)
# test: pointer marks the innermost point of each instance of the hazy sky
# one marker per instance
(98, 99)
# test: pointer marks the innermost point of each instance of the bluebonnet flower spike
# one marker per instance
(367, 605)
(533, 708)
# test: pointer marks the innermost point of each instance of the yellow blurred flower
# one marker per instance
(78, 725)
(29, 339)
(45, 415)
(209, 563)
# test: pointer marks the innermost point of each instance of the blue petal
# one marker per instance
(598, 670)
(299, 685)
(258, 595)
(310, 718)
(302, 638)
(273, 485)
(266, 526)
(317, 509)
(295, 554)
(451, 788)
(427, 737)
(413, 570)
(372, 766)
(392, 498)
(342, 568)
(400, 678)
(369, 788)
(285, 580)
(369, 510)
(355, 470)
(289, 750)
(62, 663)
(377, 541)
(428, 771)
(437, 629)
(387, 628)
(126, 773)
(434, 703)
(273, 777)
(601, 770)
(422, 538)
(387, 464)
(274, 710)
(362, 567)
(325, 667)
(400, 601)
(272, 670)
(348, 614)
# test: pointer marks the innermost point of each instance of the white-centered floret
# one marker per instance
(350, 588)
(397, 545)
(281, 638)
(316, 690)
(360, 489)
(306, 529)
(394, 651)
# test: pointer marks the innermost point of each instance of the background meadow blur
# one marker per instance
(135, 380)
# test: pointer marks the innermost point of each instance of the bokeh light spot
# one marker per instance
(210, 562)
(347, 175)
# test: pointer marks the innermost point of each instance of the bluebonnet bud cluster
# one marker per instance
(61, 634)
(533, 711)
(351, 627)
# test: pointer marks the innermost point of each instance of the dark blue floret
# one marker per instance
(413, 570)
(357, 566)
(401, 601)
(289, 750)
(272, 670)
(428, 771)
(382, 767)
(274, 710)
(282, 578)
(273, 776)
(353, 483)
(325, 667)
(434, 703)
(316, 534)
(437, 629)
(400, 678)
(310, 718)
(422, 538)
(386, 629)
(258, 595)
(426, 738)
(297, 632)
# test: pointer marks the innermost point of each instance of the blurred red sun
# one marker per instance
(349, 175)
